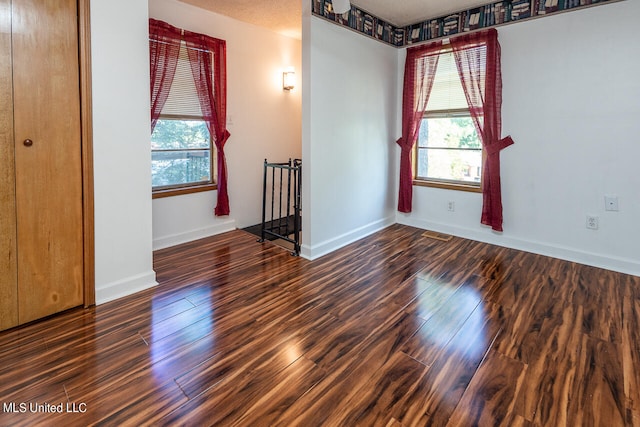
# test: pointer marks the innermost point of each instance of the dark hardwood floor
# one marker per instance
(396, 329)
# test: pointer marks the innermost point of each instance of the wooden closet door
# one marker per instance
(8, 277)
(47, 157)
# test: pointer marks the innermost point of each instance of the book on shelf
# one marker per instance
(388, 33)
(450, 24)
(535, 7)
(488, 15)
(425, 31)
(318, 6)
(399, 36)
(368, 25)
(549, 6)
(415, 33)
(541, 8)
(343, 18)
(328, 11)
(462, 19)
(383, 31)
(473, 19)
(434, 29)
(353, 19)
(500, 13)
(520, 9)
(358, 20)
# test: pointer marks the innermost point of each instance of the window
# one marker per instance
(189, 97)
(448, 152)
(477, 60)
(181, 145)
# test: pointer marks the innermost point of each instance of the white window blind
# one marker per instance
(447, 93)
(183, 97)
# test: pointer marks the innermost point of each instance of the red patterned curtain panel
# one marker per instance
(419, 73)
(483, 90)
(208, 60)
(164, 48)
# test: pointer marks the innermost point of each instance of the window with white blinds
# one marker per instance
(448, 153)
(181, 147)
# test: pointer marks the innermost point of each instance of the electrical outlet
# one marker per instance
(592, 222)
(451, 206)
(611, 203)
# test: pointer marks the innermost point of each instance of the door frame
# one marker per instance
(88, 232)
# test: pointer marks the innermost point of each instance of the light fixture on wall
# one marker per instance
(341, 6)
(288, 79)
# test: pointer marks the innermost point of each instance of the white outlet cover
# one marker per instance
(611, 203)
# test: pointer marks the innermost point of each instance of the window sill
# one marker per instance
(169, 192)
(448, 186)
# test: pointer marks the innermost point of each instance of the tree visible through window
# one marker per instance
(181, 153)
(449, 150)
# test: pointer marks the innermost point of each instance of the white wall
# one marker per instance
(120, 92)
(349, 124)
(264, 122)
(570, 101)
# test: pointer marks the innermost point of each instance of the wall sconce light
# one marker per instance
(341, 6)
(288, 79)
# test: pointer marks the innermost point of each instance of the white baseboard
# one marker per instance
(621, 265)
(124, 287)
(188, 236)
(330, 245)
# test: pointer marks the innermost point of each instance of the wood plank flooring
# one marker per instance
(396, 329)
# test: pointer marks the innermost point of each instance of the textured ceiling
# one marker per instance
(284, 16)
(280, 16)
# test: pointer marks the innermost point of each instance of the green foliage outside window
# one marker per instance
(180, 153)
(449, 149)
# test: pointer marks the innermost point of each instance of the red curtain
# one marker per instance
(483, 90)
(207, 56)
(164, 48)
(419, 72)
